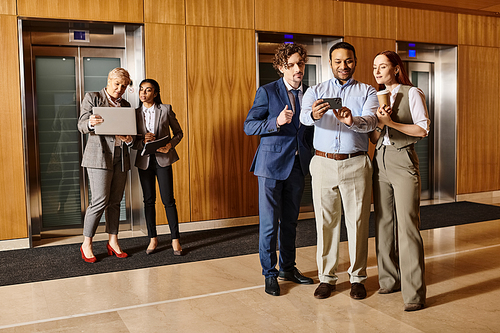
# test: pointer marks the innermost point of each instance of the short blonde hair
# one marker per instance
(119, 73)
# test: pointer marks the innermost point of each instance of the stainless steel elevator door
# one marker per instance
(422, 75)
(62, 75)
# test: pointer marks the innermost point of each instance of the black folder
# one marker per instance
(151, 146)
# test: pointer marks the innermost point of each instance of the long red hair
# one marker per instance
(402, 75)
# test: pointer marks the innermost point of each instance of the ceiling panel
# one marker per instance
(477, 7)
(465, 4)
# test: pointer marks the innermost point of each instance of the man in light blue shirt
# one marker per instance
(341, 169)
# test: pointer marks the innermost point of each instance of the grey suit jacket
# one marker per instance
(164, 121)
(100, 149)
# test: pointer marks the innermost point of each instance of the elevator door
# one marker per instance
(62, 75)
(421, 75)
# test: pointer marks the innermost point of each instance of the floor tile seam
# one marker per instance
(441, 255)
(199, 296)
(131, 307)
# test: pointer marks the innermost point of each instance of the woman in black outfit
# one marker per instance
(154, 121)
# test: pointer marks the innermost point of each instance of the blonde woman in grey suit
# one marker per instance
(154, 121)
(107, 161)
(396, 183)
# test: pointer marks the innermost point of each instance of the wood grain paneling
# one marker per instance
(99, 10)
(365, 20)
(366, 49)
(220, 13)
(164, 11)
(478, 142)
(322, 17)
(478, 30)
(13, 215)
(427, 26)
(221, 89)
(166, 63)
(8, 7)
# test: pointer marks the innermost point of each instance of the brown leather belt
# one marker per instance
(338, 157)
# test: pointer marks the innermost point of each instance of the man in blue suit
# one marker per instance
(280, 163)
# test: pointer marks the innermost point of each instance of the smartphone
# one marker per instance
(335, 103)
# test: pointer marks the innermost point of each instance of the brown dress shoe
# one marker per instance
(358, 291)
(324, 290)
(413, 306)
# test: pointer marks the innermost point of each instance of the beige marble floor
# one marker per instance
(227, 295)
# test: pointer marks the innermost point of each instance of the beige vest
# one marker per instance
(400, 114)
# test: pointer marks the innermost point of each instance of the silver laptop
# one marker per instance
(117, 121)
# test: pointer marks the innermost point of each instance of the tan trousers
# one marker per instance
(335, 184)
(396, 194)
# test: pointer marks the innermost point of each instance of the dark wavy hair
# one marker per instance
(156, 88)
(285, 51)
(402, 75)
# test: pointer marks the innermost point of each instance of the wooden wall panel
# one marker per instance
(8, 7)
(221, 89)
(13, 223)
(364, 20)
(478, 30)
(165, 11)
(366, 49)
(99, 10)
(322, 17)
(221, 13)
(427, 26)
(166, 63)
(478, 142)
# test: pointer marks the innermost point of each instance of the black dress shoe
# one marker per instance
(358, 291)
(296, 276)
(272, 286)
(324, 290)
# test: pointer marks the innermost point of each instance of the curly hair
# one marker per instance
(285, 51)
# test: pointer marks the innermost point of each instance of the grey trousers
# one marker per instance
(396, 195)
(106, 188)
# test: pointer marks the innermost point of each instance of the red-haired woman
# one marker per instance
(396, 182)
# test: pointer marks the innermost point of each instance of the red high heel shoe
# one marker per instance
(90, 260)
(119, 255)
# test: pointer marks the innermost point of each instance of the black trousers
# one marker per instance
(166, 185)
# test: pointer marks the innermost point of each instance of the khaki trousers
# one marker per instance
(338, 184)
(396, 194)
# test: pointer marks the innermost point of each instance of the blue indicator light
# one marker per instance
(288, 36)
(412, 53)
(79, 35)
(288, 42)
(411, 44)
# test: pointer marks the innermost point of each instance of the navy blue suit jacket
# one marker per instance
(275, 155)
